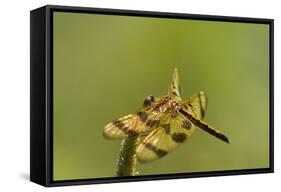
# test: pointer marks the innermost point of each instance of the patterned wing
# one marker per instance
(172, 131)
(197, 104)
(132, 125)
(174, 88)
(122, 127)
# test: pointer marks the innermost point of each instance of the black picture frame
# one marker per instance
(41, 56)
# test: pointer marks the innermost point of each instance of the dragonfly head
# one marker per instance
(148, 101)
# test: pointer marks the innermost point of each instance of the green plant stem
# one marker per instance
(126, 163)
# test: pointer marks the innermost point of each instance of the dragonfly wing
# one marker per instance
(197, 104)
(174, 88)
(122, 127)
(132, 125)
(172, 131)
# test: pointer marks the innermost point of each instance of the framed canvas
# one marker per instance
(121, 95)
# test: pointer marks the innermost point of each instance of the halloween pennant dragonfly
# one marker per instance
(164, 123)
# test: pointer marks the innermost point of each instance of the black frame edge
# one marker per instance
(158, 14)
(271, 94)
(37, 96)
(160, 177)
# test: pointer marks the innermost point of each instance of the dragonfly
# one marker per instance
(163, 123)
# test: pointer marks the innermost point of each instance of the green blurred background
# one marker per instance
(104, 66)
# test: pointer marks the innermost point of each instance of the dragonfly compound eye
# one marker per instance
(148, 101)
